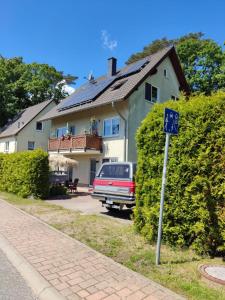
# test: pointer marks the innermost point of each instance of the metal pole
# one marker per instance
(162, 199)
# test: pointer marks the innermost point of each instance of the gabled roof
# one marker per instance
(22, 119)
(122, 86)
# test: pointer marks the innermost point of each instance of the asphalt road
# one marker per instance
(12, 284)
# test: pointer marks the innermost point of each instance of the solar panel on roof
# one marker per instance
(86, 93)
(92, 89)
(134, 67)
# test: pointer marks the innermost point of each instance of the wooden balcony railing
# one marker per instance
(76, 142)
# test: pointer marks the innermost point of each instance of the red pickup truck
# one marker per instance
(114, 185)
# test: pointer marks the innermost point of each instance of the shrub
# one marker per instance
(57, 190)
(25, 173)
(194, 212)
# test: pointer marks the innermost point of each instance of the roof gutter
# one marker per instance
(125, 130)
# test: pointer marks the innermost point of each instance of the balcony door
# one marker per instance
(92, 170)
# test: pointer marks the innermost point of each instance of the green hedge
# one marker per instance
(57, 190)
(25, 173)
(194, 212)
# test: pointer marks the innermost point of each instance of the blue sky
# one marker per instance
(77, 36)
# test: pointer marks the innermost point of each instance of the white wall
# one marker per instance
(139, 107)
(12, 144)
(29, 133)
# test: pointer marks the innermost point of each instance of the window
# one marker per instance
(154, 94)
(72, 130)
(110, 159)
(111, 127)
(115, 171)
(151, 93)
(61, 131)
(165, 73)
(7, 146)
(30, 145)
(39, 126)
(174, 98)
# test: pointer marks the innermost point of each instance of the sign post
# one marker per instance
(171, 118)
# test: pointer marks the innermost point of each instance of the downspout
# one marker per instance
(16, 141)
(125, 130)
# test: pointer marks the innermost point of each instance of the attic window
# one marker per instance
(118, 85)
(165, 72)
(39, 126)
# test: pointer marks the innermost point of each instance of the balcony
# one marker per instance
(76, 143)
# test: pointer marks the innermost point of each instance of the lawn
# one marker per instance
(178, 270)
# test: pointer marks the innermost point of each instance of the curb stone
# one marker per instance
(41, 288)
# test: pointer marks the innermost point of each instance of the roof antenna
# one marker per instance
(91, 76)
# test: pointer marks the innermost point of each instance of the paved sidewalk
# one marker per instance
(75, 270)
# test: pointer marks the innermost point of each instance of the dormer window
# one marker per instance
(39, 126)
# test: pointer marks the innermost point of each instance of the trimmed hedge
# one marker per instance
(57, 190)
(25, 173)
(194, 211)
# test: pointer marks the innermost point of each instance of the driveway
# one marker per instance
(83, 202)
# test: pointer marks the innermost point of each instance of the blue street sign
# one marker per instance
(171, 121)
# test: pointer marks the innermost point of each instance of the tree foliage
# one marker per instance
(194, 207)
(203, 60)
(23, 85)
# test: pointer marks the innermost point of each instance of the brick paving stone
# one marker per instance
(74, 269)
(136, 296)
(109, 290)
(124, 292)
(92, 289)
(83, 293)
(112, 297)
(97, 296)
(61, 286)
(66, 292)
(88, 283)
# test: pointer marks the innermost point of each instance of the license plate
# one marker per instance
(109, 201)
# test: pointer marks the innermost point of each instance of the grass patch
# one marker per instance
(179, 268)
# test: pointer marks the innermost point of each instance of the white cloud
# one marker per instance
(65, 87)
(107, 42)
(68, 89)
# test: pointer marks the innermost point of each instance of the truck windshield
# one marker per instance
(115, 171)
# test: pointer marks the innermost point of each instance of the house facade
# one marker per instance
(25, 131)
(103, 129)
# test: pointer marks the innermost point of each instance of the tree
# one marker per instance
(23, 85)
(203, 60)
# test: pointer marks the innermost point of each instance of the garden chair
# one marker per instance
(73, 185)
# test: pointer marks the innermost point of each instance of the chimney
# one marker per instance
(112, 66)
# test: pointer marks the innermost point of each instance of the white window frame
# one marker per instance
(175, 98)
(28, 145)
(167, 74)
(111, 119)
(42, 128)
(157, 94)
(110, 159)
(7, 146)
